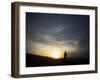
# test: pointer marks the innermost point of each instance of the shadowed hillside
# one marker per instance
(36, 61)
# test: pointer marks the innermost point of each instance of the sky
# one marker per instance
(50, 35)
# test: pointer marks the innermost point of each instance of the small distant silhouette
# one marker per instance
(65, 55)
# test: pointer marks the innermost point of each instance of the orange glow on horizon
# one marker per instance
(52, 52)
(56, 54)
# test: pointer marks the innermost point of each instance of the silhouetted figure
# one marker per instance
(65, 55)
(65, 60)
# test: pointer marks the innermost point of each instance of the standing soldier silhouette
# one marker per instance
(65, 55)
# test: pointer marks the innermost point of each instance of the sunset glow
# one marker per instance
(51, 51)
(56, 54)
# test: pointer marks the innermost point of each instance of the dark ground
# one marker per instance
(36, 61)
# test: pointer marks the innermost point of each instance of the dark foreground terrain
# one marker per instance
(36, 61)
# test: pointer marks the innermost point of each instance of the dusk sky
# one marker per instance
(52, 34)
